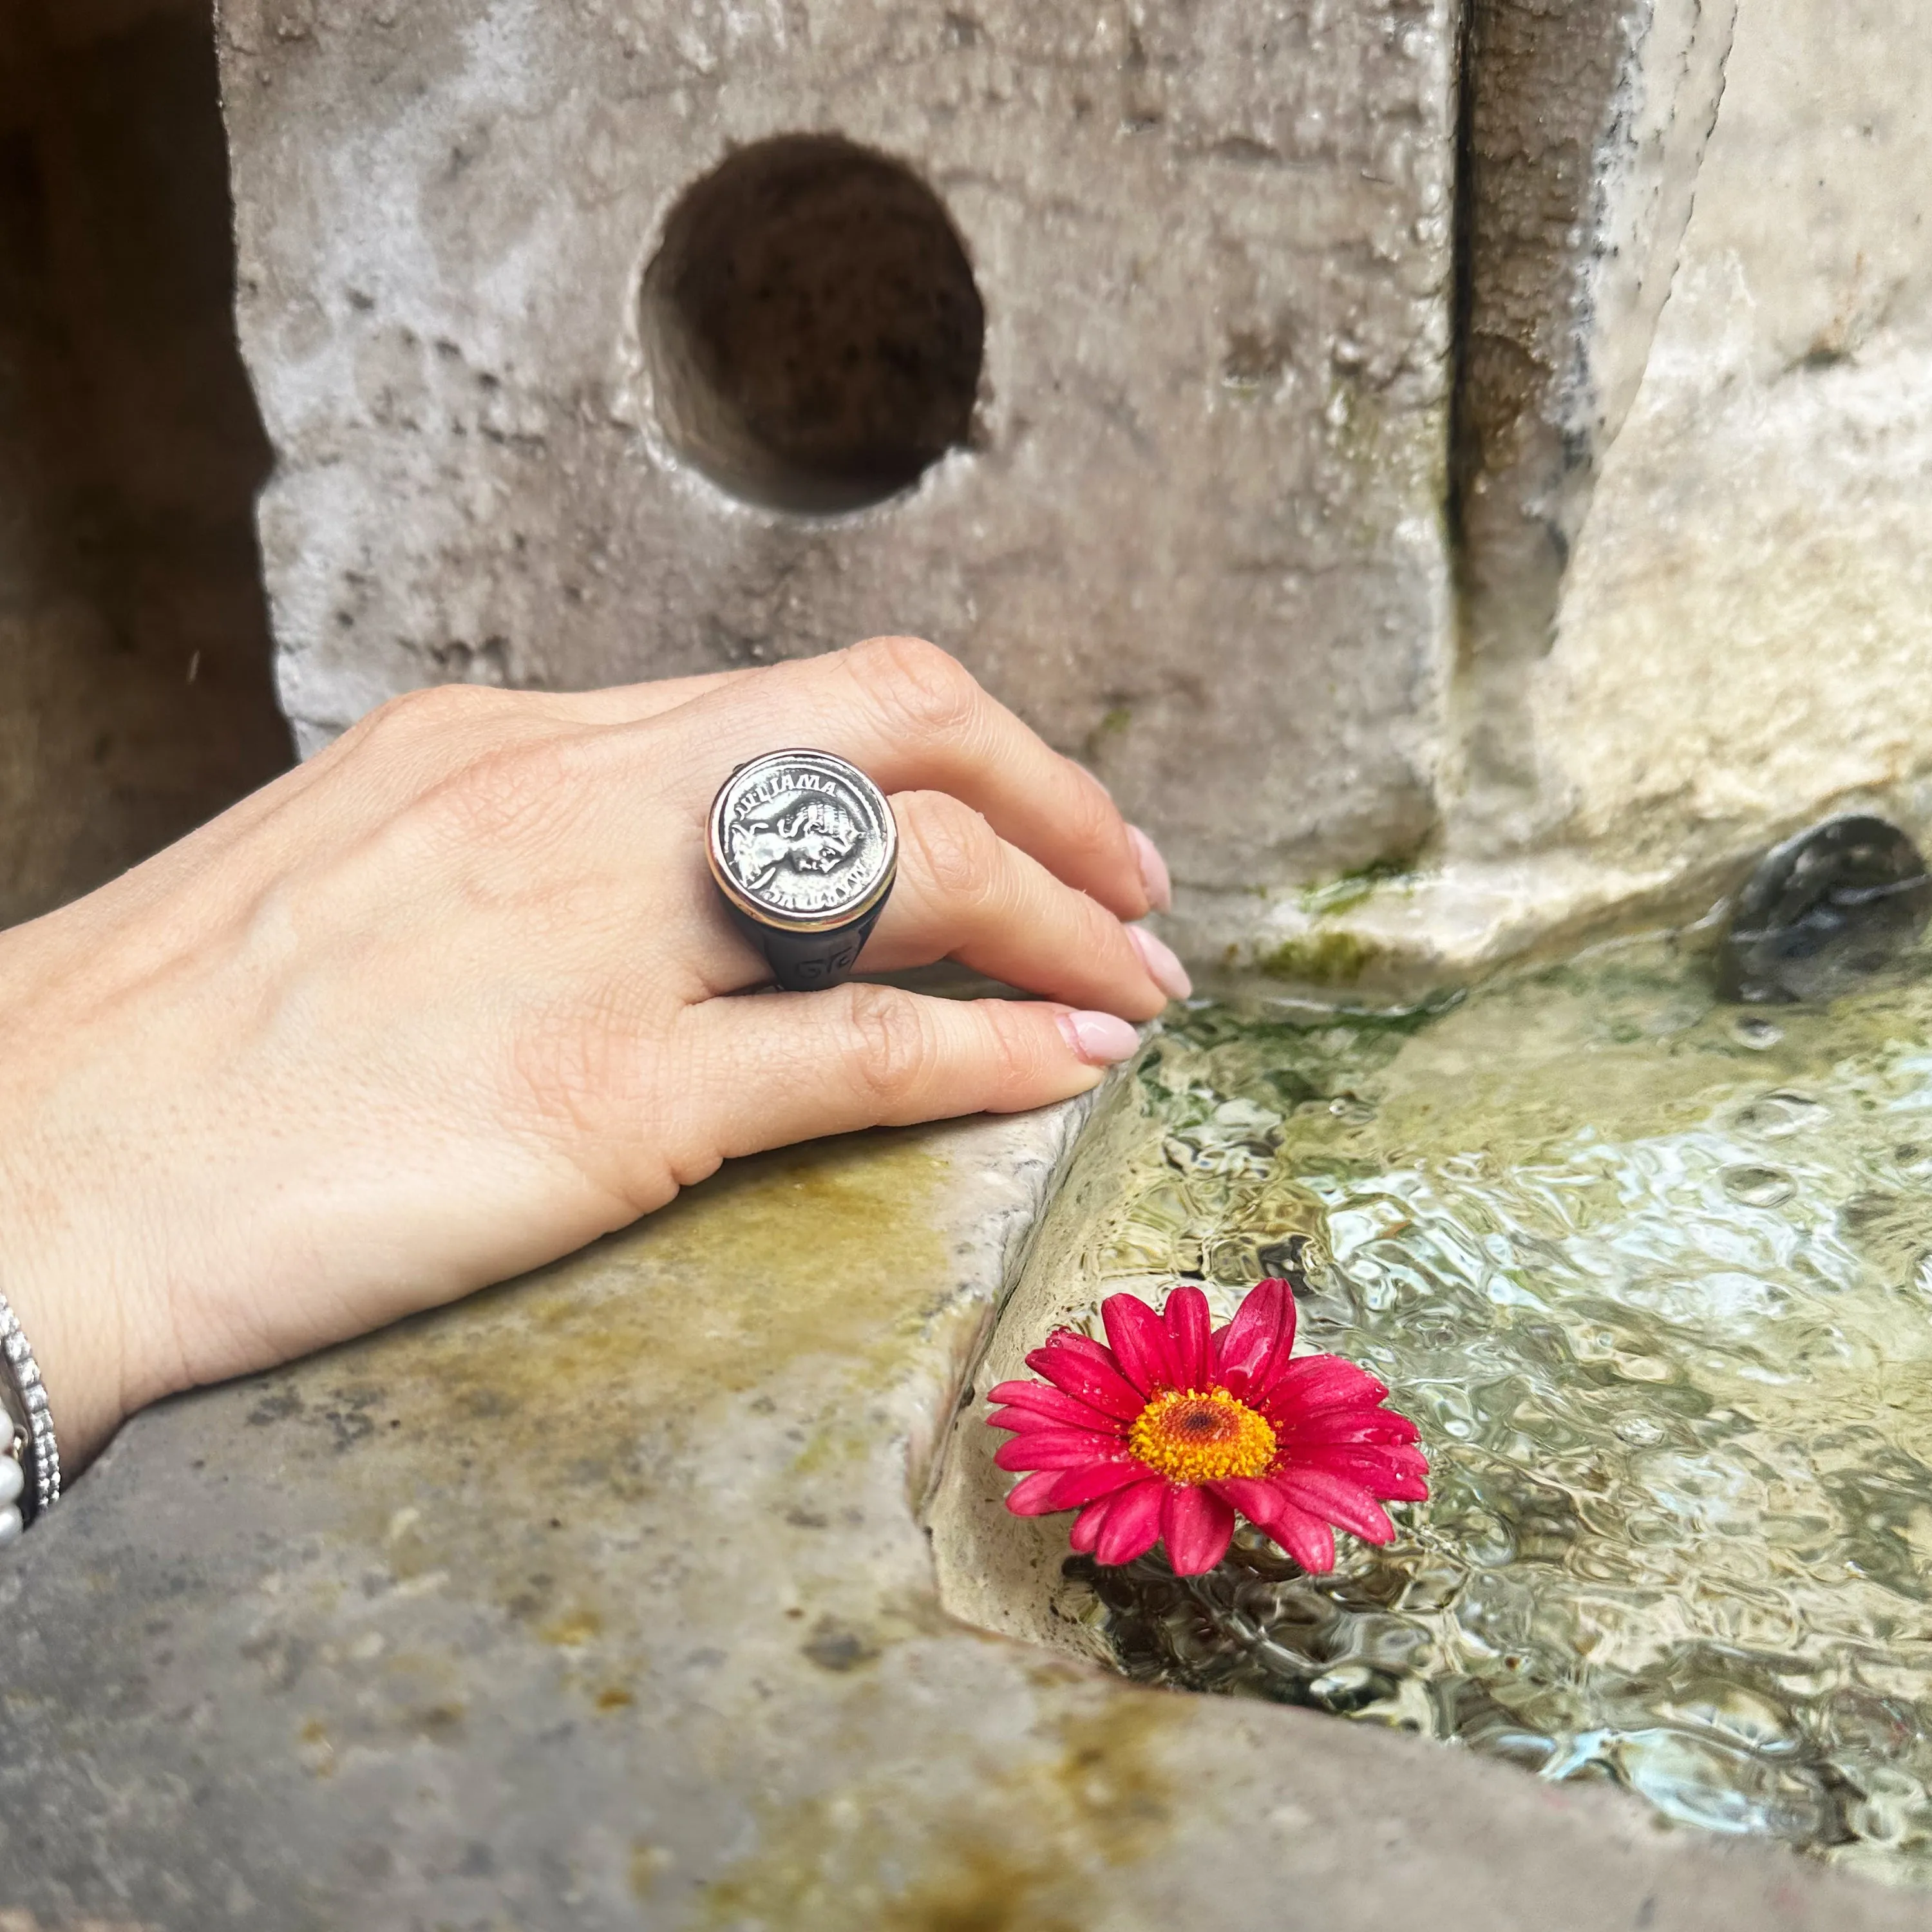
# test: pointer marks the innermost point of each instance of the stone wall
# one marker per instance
(1540, 564)
(1190, 520)
(1745, 628)
(1169, 317)
(1690, 479)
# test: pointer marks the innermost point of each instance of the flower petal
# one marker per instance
(1075, 1415)
(1255, 1496)
(1313, 1382)
(1087, 1525)
(1031, 1494)
(1348, 1425)
(1187, 1325)
(1081, 1344)
(1260, 1335)
(1196, 1526)
(1346, 1505)
(1133, 1524)
(1088, 1380)
(1051, 1449)
(1306, 1538)
(1073, 1488)
(1044, 1398)
(1139, 1342)
(1392, 1473)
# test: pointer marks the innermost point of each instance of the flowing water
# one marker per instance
(1655, 1277)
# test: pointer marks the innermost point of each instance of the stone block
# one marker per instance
(1107, 346)
(1691, 456)
(601, 1600)
(1744, 630)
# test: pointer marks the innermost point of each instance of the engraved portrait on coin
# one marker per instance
(802, 838)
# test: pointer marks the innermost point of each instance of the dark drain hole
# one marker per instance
(812, 328)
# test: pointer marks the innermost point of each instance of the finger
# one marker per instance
(780, 1067)
(912, 718)
(963, 893)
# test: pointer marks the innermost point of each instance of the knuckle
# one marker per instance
(925, 693)
(1018, 1049)
(1092, 820)
(952, 845)
(895, 1048)
(429, 712)
(514, 788)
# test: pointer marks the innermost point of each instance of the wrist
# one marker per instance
(55, 1269)
(66, 1312)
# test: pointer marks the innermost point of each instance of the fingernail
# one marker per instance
(1153, 870)
(1164, 969)
(1099, 1039)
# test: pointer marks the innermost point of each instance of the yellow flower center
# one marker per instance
(1201, 1436)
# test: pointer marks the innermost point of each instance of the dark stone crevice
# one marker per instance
(1561, 275)
(136, 697)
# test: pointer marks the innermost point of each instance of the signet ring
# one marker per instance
(804, 849)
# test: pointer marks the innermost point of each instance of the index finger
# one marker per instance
(914, 719)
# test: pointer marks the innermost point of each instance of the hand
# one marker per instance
(454, 998)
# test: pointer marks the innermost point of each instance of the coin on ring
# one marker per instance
(804, 849)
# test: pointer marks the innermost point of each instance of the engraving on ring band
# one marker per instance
(802, 840)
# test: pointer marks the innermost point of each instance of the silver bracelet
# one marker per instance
(30, 1472)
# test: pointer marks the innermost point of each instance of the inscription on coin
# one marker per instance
(803, 835)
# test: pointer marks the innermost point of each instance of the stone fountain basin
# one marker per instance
(604, 1600)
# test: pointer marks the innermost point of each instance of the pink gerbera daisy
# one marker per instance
(1169, 1432)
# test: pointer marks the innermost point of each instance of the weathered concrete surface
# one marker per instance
(1746, 629)
(1585, 128)
(1196, 534)
(600, 1601)
(1692, 479)
(135, 698)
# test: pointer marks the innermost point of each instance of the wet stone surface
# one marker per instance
(1656, 1280)
(601, 1600)
(1824, 913)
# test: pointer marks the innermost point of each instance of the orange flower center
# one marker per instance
(1201, 1436)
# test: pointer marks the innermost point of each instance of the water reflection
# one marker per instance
(1656, 1282)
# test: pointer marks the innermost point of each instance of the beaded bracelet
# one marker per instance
(30, 1472)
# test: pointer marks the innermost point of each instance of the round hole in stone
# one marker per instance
(812, 325)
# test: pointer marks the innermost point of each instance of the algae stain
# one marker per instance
(549, 1414)
(1111, 727)
(1320, 959)
(1348, 890)
(573, 1629)
(648, 1863)
(816, 1251)
(1024, 1846)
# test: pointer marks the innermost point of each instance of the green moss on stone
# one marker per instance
(1320, 959)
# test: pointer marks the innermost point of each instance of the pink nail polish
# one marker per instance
(1099, 1039)
(1153, 870)
(1164, 968)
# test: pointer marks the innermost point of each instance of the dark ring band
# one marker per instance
(804, 850)
(804, 962)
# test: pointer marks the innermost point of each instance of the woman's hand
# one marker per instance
(454, 997)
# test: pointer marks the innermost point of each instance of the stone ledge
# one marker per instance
(600, 1600)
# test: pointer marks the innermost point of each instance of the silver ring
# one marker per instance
(804, 849)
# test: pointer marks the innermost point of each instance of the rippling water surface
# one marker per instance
(1655, 1279)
